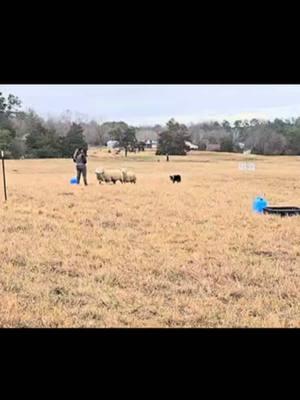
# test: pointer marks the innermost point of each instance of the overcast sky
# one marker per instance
(150, 104)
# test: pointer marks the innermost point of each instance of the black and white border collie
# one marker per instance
(175, 178)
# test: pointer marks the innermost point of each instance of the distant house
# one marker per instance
(213, 147)
(151, 144)
(191, 146)
(112, 144)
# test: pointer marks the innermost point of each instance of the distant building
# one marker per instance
(112, 144)
(191, 146)
(213, 147)
(151, 144)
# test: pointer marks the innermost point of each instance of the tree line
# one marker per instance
(26, 134)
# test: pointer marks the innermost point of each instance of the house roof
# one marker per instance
(213, 147)
(191, 145)
(112, 141)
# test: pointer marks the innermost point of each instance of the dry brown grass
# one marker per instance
(152, 254)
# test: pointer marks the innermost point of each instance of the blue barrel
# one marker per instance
(73, 181)
(259, 204)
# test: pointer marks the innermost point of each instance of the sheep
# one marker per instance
(109, 175)
(128, 176)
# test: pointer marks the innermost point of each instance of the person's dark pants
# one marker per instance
(81, 170)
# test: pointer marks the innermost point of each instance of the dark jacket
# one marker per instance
(79, 158)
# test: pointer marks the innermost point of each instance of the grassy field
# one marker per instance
(152, 254)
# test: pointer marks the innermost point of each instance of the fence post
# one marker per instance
(4, 178)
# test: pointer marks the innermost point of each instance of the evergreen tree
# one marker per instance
(126, 136)
(172, 140)
(7, 131)
(73, 140)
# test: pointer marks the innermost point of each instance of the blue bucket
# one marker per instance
(259, 204)
(73, 181)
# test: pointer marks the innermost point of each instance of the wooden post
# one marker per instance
(4, 179)
(167, 157)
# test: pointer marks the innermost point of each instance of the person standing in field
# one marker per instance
(80, 158)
